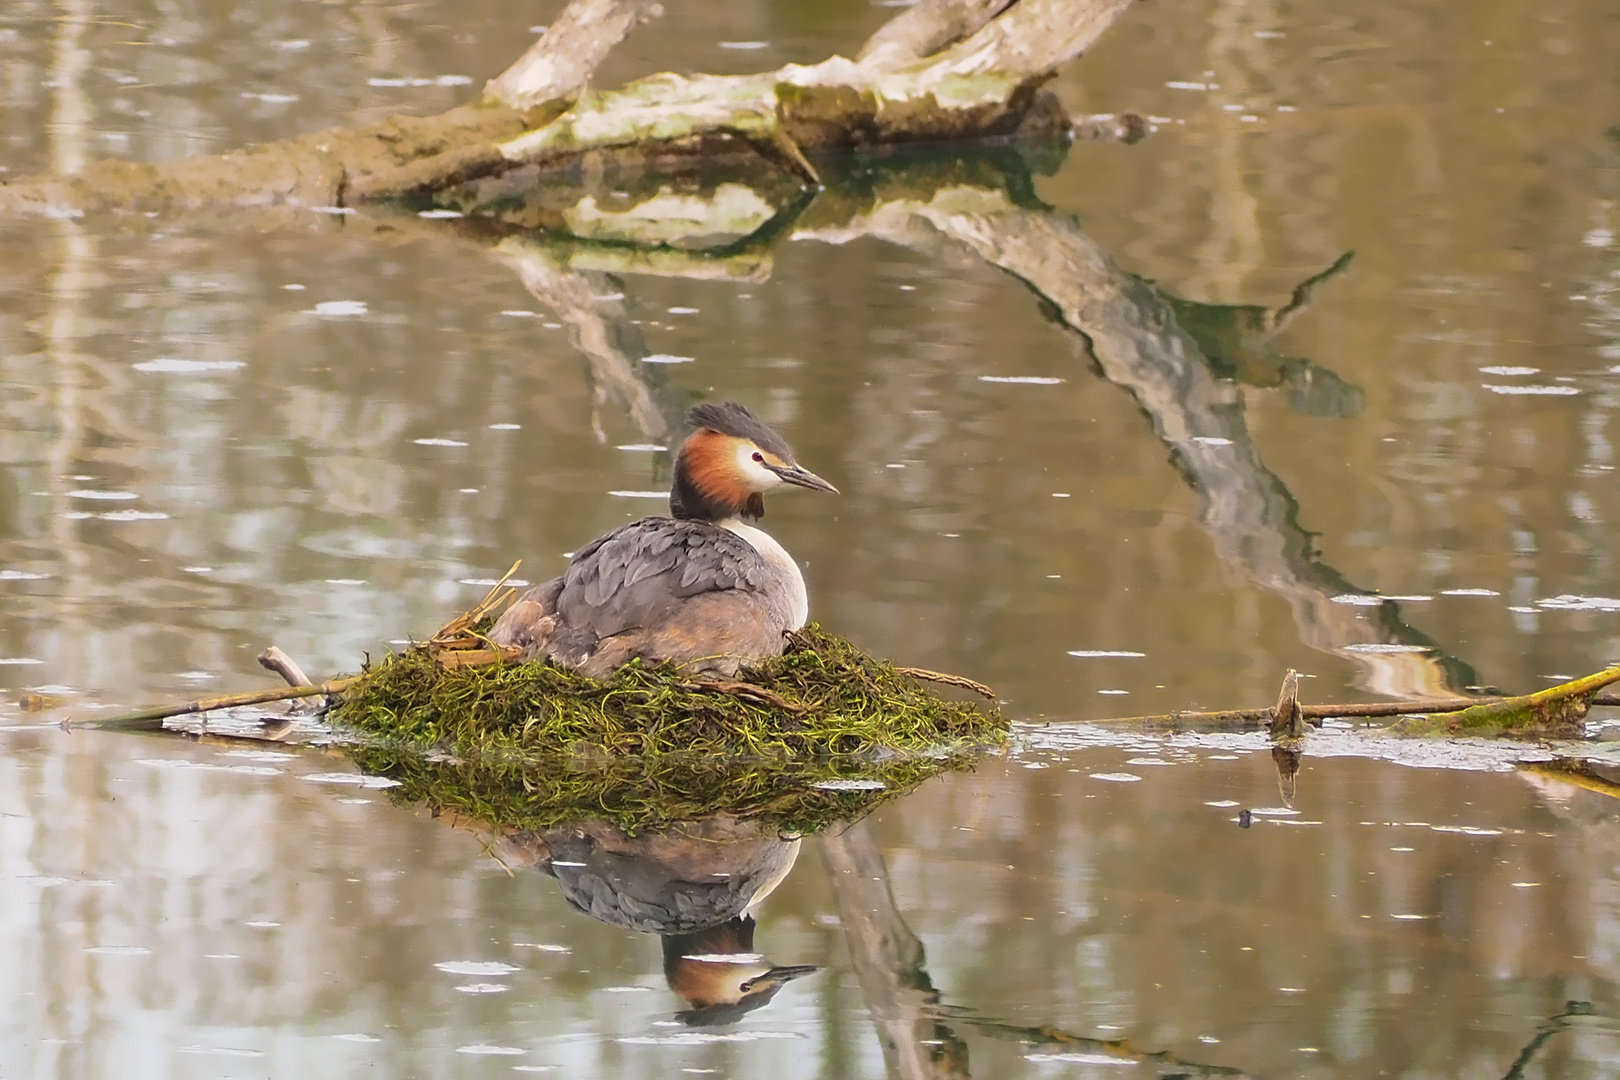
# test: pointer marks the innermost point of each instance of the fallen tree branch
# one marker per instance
(1556, 710)
(981, 80)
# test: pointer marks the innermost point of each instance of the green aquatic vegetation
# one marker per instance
(822, 699)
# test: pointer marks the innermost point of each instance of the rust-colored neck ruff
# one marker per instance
(707, 486)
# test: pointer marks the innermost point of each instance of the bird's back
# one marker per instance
(689, 592)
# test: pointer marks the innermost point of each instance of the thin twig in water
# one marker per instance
(961, 681)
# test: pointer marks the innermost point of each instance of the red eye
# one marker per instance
(759, 457)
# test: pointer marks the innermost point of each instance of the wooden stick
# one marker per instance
(273, 659)
(949, 680)
(1287, 721)
(154, 716)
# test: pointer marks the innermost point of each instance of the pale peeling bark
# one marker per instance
(983, 85)
(590, 29)
(927, 27)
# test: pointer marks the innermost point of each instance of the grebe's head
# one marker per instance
(725, 467)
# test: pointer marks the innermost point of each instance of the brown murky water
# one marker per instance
(327, 431)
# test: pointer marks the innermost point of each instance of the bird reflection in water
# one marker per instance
(696, 885)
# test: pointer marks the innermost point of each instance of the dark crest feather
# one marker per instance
(730, 418)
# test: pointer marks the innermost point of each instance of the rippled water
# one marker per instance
(330, 431)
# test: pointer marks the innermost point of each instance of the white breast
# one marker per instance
(777, 557)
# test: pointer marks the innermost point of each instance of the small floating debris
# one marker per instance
(1506, 369)
(1469, 592)
(1384, 648)
(850, 785)
(119, 515)
(506, 427)
(1211, 440)
(667, 358)
(337, 309)
(476, 967)
(438, 442)
(516, 583)
(1095, 653)
(705, 1038)
(1570, 602)
(1027, 380)
(1183, 85)
(489, 1050)
(348, 778)
(1115, 777)
(440, 215)
(441, 80)
(745, 46)
(181, 764)
(642, 447)
(1534, 390)
(170, 365)
(112, 496)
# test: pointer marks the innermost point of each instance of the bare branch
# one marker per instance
(558, 65)
(925, 28)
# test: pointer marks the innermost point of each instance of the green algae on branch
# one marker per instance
(638, 793)
(822, 698)
(1558, 711)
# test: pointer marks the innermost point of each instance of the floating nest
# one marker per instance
(821, 700)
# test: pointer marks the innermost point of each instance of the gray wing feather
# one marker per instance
(636, 575)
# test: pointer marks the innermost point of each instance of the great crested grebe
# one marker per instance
(703, 589)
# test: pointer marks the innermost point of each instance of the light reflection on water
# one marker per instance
(328, 430)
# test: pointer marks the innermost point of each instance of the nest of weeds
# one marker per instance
(822, 698)
(636, 794)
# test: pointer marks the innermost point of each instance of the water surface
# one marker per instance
(328, 432)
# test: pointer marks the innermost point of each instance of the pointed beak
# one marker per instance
(776, 977)
(799, 476)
